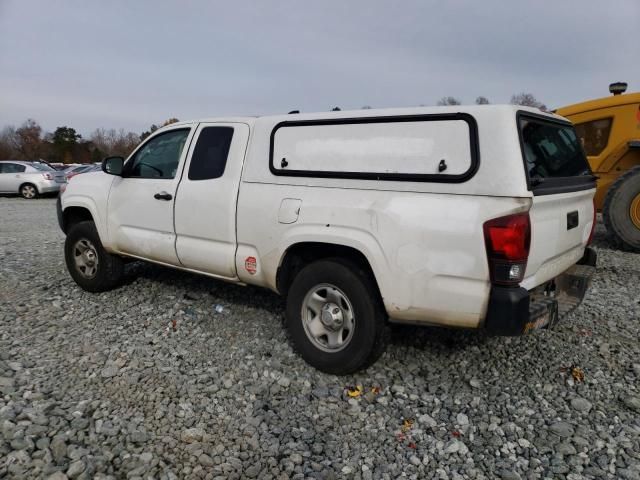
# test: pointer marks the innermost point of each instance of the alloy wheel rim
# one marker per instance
(634, 211)
(85, 258)
(28, 191)
(328, 318)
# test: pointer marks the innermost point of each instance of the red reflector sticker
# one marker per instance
(251, 265)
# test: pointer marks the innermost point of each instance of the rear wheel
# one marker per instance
(335, 317)
(89, 264)
(621, 212)
(29, 191)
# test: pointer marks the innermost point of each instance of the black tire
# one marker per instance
(29, 191)
(109, 268)
(623, 233)
(370, 332)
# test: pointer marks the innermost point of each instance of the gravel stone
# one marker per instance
(76, 469)
(284, 382)
(462, 419)
(562, 429)
(510, 475)
(427, 420)
(452, 447)
(581, 405)
(58, 448)
(57, 476)
(103, 386)
(633, 403)
(566, 448)
(192, 435)
(110, 371)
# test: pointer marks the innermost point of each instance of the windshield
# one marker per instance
(43, 167)
(551, 149)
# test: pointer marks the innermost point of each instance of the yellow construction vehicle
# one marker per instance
(609, 129)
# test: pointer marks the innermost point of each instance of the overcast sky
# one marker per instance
(113, 64)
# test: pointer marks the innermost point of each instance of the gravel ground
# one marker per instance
(149, 381)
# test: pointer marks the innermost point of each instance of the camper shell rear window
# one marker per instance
(428, 148)
(554, 159)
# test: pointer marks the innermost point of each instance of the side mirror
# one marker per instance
(113, 165)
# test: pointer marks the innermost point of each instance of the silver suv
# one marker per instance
(29, 179)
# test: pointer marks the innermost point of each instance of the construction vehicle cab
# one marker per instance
(609, 129)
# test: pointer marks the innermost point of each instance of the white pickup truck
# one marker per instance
(471, 217)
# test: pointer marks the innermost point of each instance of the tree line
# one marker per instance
(65, 145)
(523, 98)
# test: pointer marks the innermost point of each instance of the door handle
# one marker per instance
(163, 196)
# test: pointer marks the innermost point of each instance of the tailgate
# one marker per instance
(560, 229)
(562, 211)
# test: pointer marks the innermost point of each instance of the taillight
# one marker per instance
(47, 176)
(593, 225)
(507, 240)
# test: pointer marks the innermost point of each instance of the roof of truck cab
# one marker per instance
(598, 103)
(363, 113)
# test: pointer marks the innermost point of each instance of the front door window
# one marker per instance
(159, 157)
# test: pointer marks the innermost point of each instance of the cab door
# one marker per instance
(205, 208)
(141, 202)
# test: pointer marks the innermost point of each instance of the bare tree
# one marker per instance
(527, 100)
(113, 142)
(28, 140)
(448, 101)
(170, 121)
(8, 143)
(155, 127)
(482, 100)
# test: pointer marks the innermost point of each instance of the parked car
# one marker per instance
(29, 179)
(72, 172)
(470, 217)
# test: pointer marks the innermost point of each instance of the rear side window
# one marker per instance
(43, 167)
(210, 154)
(12, 168)
(551, 149)
(594, 135)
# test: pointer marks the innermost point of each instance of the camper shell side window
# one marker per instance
(427, 148)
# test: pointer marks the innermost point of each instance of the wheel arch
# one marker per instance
(299, 254)
(78, 208)
(73, 215)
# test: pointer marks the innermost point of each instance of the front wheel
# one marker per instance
(89, 264)
(335, 317)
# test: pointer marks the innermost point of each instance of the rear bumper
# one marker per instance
(48, 186)
(516, 311)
